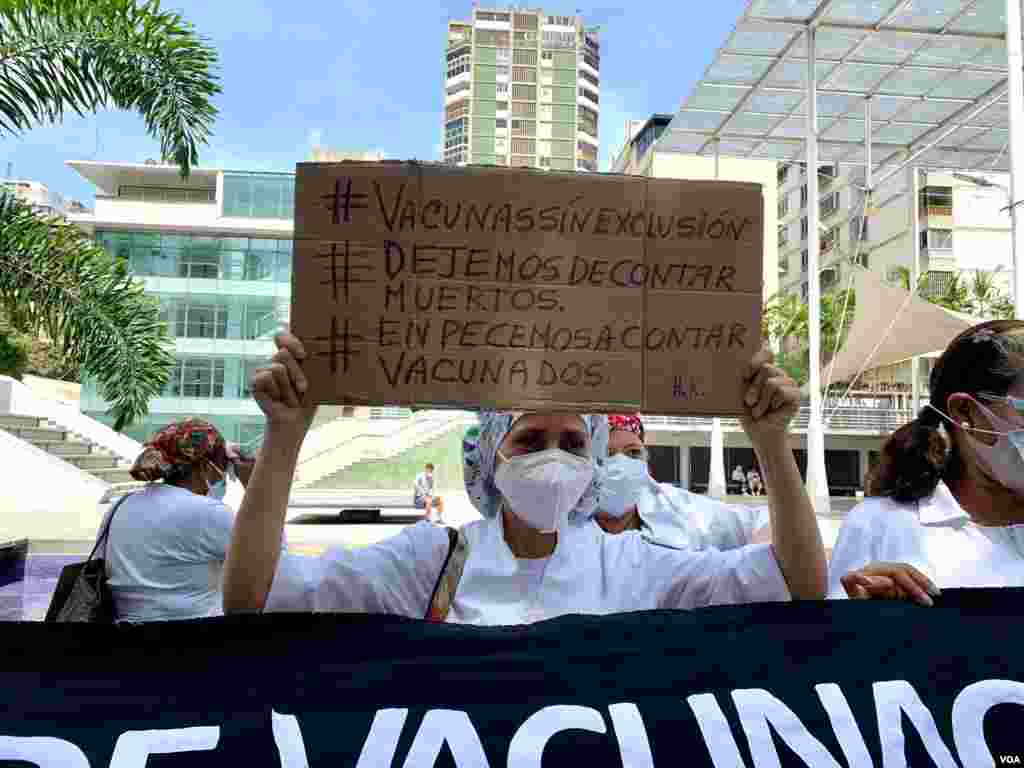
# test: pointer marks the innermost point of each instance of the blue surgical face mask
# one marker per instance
(623, 480)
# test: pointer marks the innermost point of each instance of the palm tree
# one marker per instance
(83, 55)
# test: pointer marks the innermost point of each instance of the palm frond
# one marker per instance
(55, 281)
(81, 55)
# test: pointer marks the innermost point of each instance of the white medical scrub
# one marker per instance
(676, 518)
(589, 573)
(165, 554)
(936, 536)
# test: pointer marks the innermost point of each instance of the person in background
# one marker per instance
(948, 495)
(531, 475)
(423, 495)
(740, 478)
(168, 542)
(632, 500)
(754, 482)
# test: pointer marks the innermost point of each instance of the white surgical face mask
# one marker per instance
(622, 481)
(1005, 457)
(543, 487)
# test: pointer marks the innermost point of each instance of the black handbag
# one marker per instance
(82, 593)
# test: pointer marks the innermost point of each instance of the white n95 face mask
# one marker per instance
(542, 488)
(623, 480)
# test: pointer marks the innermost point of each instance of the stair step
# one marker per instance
(41, 434)
(19, 422)
(69, 448)
(91, 461)
(112, 475)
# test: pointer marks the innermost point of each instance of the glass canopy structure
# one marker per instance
(935, 72)
(883, 84)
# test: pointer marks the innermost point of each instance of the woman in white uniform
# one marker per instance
(950, 509)
(532, 476)
(632, 500)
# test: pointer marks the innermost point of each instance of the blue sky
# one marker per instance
(362, 75)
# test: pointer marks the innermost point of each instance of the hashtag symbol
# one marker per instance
(342, 203)
(336, 350)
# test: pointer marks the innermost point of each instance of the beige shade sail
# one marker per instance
(889, 326)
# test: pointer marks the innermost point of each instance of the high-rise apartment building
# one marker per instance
(522, 89)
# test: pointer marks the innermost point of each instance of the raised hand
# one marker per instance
(771, 401)
(280, 387)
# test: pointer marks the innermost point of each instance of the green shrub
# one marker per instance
(14, 354)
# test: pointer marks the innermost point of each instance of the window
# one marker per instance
(588, 93)
(804, 292)
(560, 21)
(493, 37)
(524, 75)
(803, 228)
(783, 235)
(783, 205)
(590, 78)
(455, 53)
(829, 205)
(524, 128)
(458, 88)
(937, 201)
(523, 146)
(502, 89)
(458, 66)
(587, 120)
(456, 110)
(826, 174)
(546, 56)
(937, 283)
(859, 231)
(591, 60)
(524, 92)
(525, 58)
(803, 261)
(558, 39)
(803, 196)
(782, 173)
(524, 109)
(201, 257)
(196, 377)
(504, 56)
(525, 21)
(261, 196)
(501, 122)
(937, 239)
(167, 194)
(493, 16)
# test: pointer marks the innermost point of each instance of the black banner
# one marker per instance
(826, 685)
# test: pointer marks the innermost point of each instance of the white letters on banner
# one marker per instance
(758, 710)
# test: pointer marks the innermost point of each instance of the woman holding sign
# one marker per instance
(533, 476)
(949, 505)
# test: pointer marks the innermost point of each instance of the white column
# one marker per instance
(817, 479)
(914, 186)
(1014, 62)
(684, 467)
(716, 474)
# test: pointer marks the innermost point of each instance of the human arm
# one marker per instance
(259, 526)
(772, 400)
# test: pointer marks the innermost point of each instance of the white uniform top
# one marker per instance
(676, 518)
(936, 536)
(589, 573)
(165, 554)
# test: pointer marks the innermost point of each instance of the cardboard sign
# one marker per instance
(516, 289)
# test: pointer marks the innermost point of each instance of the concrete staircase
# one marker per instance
(423, 428)
(67, 446)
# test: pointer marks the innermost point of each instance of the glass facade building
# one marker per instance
(223, 294)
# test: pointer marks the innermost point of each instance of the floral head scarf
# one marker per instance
(626, 422)
(480, 449)
(189, 442)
